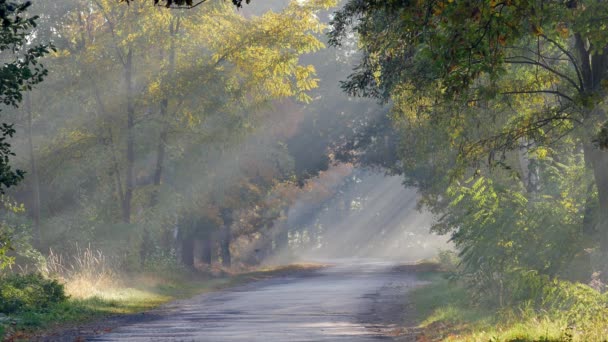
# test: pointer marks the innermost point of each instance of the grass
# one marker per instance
(446, 312)
(131, 295)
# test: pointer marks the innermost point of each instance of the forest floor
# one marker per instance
(349, 301)
(130, 300)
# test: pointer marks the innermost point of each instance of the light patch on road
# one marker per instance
(343, 303)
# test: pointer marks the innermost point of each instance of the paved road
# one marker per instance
(349, 302)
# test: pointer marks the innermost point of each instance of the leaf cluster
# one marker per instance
(31, 292)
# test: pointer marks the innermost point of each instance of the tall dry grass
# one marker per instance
(86, 273)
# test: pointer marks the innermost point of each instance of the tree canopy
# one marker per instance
(188, 3)
(500, 111)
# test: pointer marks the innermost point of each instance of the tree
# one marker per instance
(20, 71)
(528, 72)
(211, 80)
(188, 3)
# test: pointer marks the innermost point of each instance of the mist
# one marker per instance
(177, 162)
(371, 164)
(371, 215)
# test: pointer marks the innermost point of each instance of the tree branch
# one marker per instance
(188, 7)
(544, 66)
(547, 91)
(579, 73)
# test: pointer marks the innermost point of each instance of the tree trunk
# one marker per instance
(207, 251)
(187, 254)
(589, 226)
(599, 162)
(197, 251)
(146, 247)
(35, 200)
(130, 176)
(589, 219)
(110, 137)
(594, 71)
(164, 105)
(162, 140)
(225, 246)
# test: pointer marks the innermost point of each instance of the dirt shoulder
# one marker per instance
(393, 311)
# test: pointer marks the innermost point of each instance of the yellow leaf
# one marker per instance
(537, 30)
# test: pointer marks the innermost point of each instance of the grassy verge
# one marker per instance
(133, 295)
(446, 312)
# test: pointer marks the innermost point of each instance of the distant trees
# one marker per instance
(169, 125)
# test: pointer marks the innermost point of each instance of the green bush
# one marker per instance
(29, 292)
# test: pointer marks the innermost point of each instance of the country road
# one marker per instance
(355, 301)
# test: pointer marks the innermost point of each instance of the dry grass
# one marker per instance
(90, 274)
(97, 289)
(87, 273)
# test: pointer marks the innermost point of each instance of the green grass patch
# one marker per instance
(446, 312)
(444, 309)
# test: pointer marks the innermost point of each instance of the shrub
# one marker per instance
(20, 293)
(448, 260)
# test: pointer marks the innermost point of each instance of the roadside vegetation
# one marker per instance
(499, 112)
(89, 288)
(540, 309)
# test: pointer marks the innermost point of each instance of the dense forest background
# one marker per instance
(192, 137)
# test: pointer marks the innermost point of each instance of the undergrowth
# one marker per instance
(559, 311)
(88, 287)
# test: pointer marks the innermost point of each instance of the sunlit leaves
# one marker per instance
(507, 95)
(212, 73)
(266, 50)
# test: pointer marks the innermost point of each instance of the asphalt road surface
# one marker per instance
(351, 301)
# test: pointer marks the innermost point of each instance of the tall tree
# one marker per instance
(160, 122)
(545, 60)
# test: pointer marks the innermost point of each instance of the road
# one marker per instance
(355, 301)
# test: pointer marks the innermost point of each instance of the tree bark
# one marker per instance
(589, 227)
(225, 246)
(207, 249)
(202, 250)
(164, 105)
(110, 137)
(34, 175)
(146, 247)
(594, 71)
(197, 251)
(162, 140)
(599, 161)
(187, 254)
(130, 176)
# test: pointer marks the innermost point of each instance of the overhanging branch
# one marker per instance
(547, 91)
